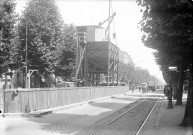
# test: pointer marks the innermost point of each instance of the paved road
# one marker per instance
(66, 122)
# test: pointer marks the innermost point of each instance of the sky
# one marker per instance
(125, 25)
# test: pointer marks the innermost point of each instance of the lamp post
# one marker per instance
(3, 109)
(171, 69)
(170, 89)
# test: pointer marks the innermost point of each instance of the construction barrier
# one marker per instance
(26, 100)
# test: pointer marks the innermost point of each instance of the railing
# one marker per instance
(26, 100)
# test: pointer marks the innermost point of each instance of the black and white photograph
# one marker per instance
(96, 67)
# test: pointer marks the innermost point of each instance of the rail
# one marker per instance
(136, 132)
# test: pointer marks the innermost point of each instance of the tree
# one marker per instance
(188, 115)
(66, 64)
(43, 26)
(168, 29)
(47, 40)
(8, 37)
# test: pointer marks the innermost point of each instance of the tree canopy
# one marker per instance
(8, 37)
(168, 28)
(48, 38)
(135, 76)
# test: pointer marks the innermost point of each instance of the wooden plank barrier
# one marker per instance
(38, 99)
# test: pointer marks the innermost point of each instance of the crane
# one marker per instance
(111, 19)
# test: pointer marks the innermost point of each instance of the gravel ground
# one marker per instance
(125, 125)
(86, 118)
(152, 123)
(66, 121)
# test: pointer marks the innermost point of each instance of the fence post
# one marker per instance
(3, 102)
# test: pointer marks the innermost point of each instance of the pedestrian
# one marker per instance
(132, 88)
(166, 90)
(139, 88)
(185, 88)
(169, 95)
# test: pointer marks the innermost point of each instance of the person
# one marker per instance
(4, 86)
(169, 95)
(143, 89)
(132, 88)
(165, 90)
(185, 88)
(139, 88)
(170, 91)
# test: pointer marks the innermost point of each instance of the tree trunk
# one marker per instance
(180, 87)
(170, 105)
(188, 116)
(174, 84)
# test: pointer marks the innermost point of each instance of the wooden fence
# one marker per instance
(36, 99)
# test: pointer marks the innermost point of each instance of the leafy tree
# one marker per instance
(125, 71)
(166, 23)
(46, 37)
(135, 76)
(8, 37)
(67, 58)
(41, 26)
(168, 29)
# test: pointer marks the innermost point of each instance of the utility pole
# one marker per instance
(108, 70)
(4, 87)
(77, 61)
(26, 51)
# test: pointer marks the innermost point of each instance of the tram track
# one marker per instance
(140, 105)
(115, 119)
(140, 128)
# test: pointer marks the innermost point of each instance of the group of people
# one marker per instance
(143, 89)
(140, 88)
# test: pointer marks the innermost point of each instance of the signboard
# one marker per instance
(172, 68)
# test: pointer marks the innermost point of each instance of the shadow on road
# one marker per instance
(68, 121)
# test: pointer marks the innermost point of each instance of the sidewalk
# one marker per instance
(165, 121)
(171, 118)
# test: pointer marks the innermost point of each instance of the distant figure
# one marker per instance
(144, 88)
(132, 88)
(169, 93)
(165, 90)
(139, 88)
(185, 88)
(4, 86)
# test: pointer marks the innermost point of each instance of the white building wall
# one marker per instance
(100, 34)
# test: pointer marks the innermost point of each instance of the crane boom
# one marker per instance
(111, 17)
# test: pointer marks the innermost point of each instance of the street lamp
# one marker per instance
(171, 69)
(169, 88)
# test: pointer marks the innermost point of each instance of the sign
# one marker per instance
(172, 68)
